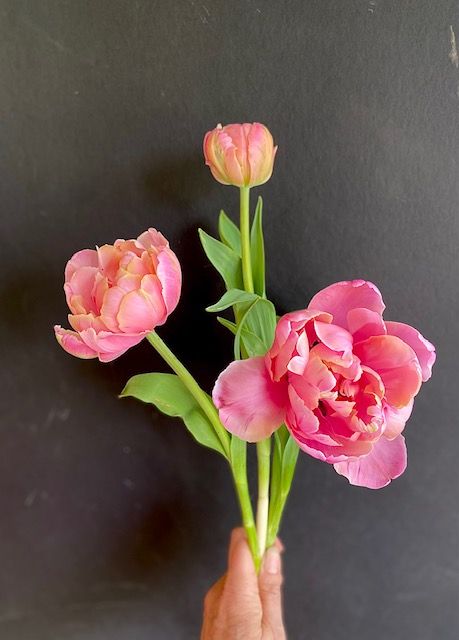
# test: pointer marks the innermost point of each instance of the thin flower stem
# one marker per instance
(239, 471)
(263, 453)
(277, 510)
(274, 524)
(245, 239)
(264, 447)
(193, 387)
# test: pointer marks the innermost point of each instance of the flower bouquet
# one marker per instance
(334, 380)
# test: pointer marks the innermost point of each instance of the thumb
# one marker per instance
(270, 583)
(241, 578)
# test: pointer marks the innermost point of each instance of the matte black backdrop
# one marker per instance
(113, 522)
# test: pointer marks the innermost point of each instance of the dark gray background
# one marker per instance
(113, 523)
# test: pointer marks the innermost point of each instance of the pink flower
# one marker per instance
(341, 378)
(240, 154)
(117, 294)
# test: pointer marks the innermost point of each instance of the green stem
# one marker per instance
(277, 509)
(190, 383)
(263, 447)
(238, 468)
(264, 454)
(275, 519)
(245, 239)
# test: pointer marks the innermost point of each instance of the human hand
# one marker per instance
(242, 605)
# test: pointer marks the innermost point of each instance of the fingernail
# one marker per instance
(272, 560)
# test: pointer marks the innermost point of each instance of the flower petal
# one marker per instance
(144, 309)
(84, 258)
(384, 463)
(339, 298)
(250, 404)
(288, 334)
(170, 276)
(396, 363)
(335, 338)
(396, 420)
(79, 290)
(424, 349)
(152, 239)
(71, 342)
(110, 345)
(363, 324)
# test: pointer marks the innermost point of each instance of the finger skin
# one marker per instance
(242, 605)
(270, 585)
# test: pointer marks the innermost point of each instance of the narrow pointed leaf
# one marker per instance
(257, 250)
(261, 320)
(289, 459)
(167, 392)
(230, 298)
(229, 233)
(228, 324)
(224, 259)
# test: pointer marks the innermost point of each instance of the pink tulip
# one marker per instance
(341, 378)
(240, 154)
(117, 294)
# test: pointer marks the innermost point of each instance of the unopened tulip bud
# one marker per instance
(240, 154)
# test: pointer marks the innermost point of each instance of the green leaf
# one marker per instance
(165, 390)
(253, 345)
(257, 250)
(228, 324)
(224, 259)
(168, 393)
(289, 459)
(229, 233)
(202, 431)
(260, 320)
(282, 435)
(232, 297)
(276, 475)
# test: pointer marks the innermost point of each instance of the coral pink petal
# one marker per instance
(250, 404)
(136, 313)
(82, 285)
(105, 342)
(261, 153)
(213, 159)
(396, 363)
(170, 276)
(384, 463)
(71, 342)
(339, 298)
(152, 288)
(363, 324)
(110, 308)
(396, 420)
(286, 338)
(84, 258)
(333, 336)
(152, 239)
(86, 321)
(349, 368)
(109, 258)
(424, 349)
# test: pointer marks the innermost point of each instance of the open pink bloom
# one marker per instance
(341, 378)
(240, 154)
(117, 294)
